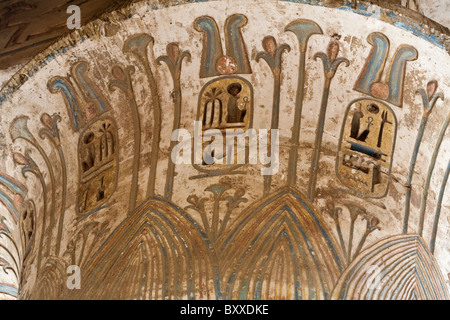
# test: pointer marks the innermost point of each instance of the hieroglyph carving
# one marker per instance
(98, 163)
(225, 102)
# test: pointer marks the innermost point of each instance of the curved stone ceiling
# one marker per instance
(344, 198)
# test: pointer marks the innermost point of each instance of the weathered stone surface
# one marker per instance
(87, 177)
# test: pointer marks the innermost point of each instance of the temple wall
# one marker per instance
(87, 177)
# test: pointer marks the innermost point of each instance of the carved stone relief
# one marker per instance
(98, 162)
(363, 159)
(366, 147)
